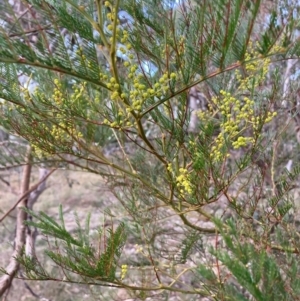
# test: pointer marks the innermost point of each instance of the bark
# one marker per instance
(13, 266)
(25, 237)
(3, 135)
(31, 233)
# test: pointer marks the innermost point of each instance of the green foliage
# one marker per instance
(256, 270)
(74, 253)
(180, 110)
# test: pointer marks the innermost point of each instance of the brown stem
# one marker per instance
(13, 266)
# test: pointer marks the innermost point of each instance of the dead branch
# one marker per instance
(13, 266)
(32, 233)
(25, 195)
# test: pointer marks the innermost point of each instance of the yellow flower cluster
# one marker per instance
(256, 70)
(242, 141)
(236, 117)
(138, 94)
(270, 116)
(26, 95)
(78, 91)
(121, 34)
(62, 99)
(239, 115)
(183, 181)
(129, 100)
(124, 39)
(124, 269)
(103, 77)
(41, 147)
(119, 121)
(65, 130)
(58, 96)
(181, 44)
(84, 60)
(277, 49)
(114, 86)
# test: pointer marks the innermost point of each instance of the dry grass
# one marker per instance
(78, 192)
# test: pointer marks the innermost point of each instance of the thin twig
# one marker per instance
(34, 187)
(20, 16)
(123, 151)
